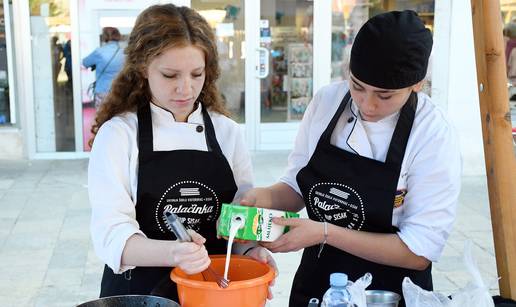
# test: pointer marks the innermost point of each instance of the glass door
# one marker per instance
(52, 83)
(286, 32)
(123, 21)
(228, 22)
(266, 59)
(286, 41)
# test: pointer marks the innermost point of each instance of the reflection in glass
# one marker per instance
(108, 54)
(347, 18)
(52, 73)
(227, 20)
(349, 15)
(286, 30)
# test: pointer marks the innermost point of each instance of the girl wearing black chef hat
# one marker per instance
(375, 164)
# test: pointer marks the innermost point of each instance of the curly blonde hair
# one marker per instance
(157, 29)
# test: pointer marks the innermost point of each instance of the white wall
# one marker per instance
(454, 74)
(11, 143)
(463, 103)
(440, 57)
(43, 86)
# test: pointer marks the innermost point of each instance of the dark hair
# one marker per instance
(157, 29)
(110, 34)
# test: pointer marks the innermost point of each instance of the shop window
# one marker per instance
(5, 103)
(52, 75)
(227, 20)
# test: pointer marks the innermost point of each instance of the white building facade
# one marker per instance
(274, 55)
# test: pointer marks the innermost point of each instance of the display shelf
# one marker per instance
(299, 80)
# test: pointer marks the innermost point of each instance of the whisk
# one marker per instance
(175, 226)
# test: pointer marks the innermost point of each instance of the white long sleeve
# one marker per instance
(113, 171)
(430, 172)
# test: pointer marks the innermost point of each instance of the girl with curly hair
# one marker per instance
(163, 143)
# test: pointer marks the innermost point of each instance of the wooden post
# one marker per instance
(496, 129)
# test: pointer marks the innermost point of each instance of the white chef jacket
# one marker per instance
(113, 171)
(430, 171)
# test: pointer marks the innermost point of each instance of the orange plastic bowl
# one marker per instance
(248, 286)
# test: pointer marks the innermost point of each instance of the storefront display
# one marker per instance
(276, 99)
(268, 107)
(300, 80)
(287, 90)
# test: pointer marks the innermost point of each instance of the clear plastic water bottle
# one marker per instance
(337, 295)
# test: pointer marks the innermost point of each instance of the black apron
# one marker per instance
(356, 192)
(191, 183)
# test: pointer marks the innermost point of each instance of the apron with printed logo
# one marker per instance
(355, 192)
(190, 183)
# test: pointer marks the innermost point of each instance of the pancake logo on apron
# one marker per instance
(193, 202)
(399, 199)
(337, 204)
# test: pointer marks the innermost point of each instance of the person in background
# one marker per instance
(163, 143)
(509, 33)
(67, 53)
(57, 56)
(107, 60)
(376, 165)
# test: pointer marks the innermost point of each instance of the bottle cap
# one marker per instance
(338, 279)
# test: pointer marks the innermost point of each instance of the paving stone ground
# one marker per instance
(46, 257)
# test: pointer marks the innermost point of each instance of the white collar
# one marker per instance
(194, 118)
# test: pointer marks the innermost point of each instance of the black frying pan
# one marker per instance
(131, 301)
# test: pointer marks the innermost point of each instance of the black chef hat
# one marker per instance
(391, 50)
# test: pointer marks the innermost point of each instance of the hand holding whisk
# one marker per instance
(175, 226)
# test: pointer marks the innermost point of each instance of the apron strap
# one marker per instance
(326, 136)
(145, 143)
(401, 133)
(211, 138)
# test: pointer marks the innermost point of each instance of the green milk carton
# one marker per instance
(258, 225)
